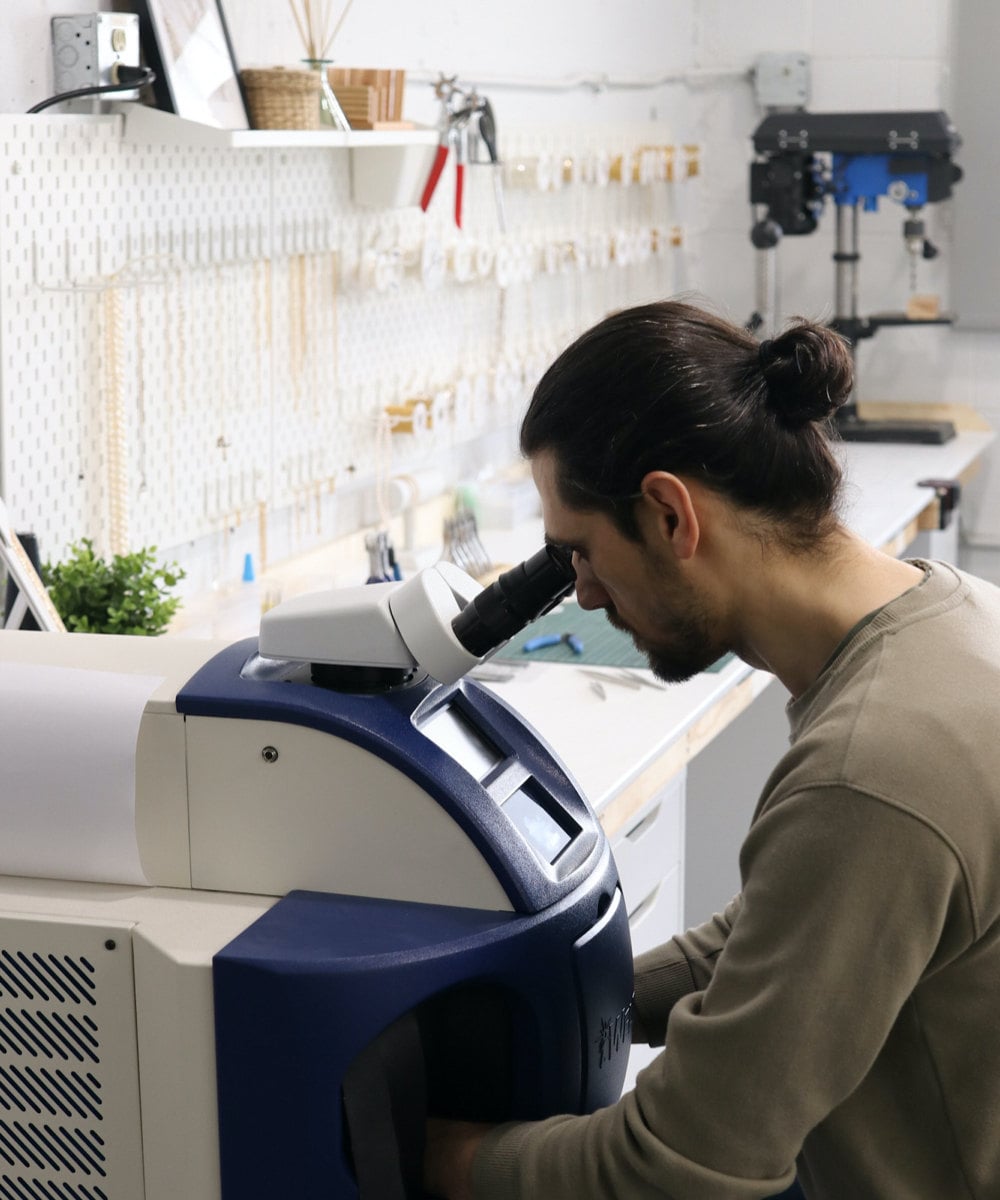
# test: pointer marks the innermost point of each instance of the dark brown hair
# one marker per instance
(668, 386)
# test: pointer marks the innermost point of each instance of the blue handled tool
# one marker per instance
(543, 640)
(553, 639)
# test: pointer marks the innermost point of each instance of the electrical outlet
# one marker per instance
(85, 49)
(782, 81)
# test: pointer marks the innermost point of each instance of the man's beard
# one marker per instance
(690, 650)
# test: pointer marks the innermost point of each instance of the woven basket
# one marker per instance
(282, 97)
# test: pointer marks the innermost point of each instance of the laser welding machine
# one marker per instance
(264, 906)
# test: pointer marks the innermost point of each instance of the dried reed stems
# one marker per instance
(312, 19)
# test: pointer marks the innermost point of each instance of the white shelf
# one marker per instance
(388, 166)
(143, 124)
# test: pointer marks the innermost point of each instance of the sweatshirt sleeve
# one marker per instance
(844, 904)
(682, 965)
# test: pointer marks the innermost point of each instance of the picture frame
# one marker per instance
(31, 594)
(187, 44)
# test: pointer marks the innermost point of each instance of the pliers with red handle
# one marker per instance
(453, 132)
(453, 126)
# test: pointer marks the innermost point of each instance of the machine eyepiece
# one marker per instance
(516, 598)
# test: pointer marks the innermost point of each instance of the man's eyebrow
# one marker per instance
(561, 544)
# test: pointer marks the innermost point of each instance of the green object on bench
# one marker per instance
(603, 645)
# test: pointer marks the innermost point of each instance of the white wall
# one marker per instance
(886, 55)
(551, 41)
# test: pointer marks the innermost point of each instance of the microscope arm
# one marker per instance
(440, 622)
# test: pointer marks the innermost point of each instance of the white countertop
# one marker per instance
(882, 495)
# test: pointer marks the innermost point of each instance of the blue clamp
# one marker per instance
(553, 639)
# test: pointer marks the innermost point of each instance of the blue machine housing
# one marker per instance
(906, 156)
(864, 178)
(343, 1020)
(389, 725)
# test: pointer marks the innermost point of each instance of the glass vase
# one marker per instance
(331, 115)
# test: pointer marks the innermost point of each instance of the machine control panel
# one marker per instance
(543, 824)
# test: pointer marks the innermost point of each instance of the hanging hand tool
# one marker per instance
(444, 92)
(488, 132)
(451, 127)
(455, 135)
(460, 127)
(461, 111)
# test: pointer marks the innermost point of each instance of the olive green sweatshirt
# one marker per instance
(844, 1011)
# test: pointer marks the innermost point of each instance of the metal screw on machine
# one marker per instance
(269, 754)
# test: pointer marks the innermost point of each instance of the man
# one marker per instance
(840, 1019)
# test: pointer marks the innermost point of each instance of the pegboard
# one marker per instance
(195, 340)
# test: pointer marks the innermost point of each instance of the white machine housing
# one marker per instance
(107, 1068)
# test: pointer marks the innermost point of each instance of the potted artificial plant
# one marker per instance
(130, 593)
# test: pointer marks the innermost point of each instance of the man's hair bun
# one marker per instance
(809, 372)
(671, 386)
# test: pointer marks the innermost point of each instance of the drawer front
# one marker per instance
(651, 844)
(656, 916)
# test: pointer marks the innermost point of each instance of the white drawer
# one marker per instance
(651, 844)
(656, 916)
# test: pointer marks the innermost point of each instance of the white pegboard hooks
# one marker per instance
(226, 246)
(133, 273)
(204, 244)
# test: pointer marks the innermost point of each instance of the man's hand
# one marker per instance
(451, 1147)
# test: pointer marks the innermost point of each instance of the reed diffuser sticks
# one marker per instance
(313, 19)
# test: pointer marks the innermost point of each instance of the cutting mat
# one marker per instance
(603, 645)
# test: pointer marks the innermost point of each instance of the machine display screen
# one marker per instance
(451, 732)
(544, 834)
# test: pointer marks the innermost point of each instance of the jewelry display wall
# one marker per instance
(198, 340)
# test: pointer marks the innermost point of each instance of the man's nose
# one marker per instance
(589, 593)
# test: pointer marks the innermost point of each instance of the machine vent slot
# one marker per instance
(57, 1093)
(52, 1148)
(52, 1090)
(32, 1189)
(48, 1035)
(65, 979)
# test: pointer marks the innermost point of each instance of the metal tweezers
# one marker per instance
(624, 677)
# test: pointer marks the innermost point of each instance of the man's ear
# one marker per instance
(668, 501)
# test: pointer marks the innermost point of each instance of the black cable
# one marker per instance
(128, 78)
